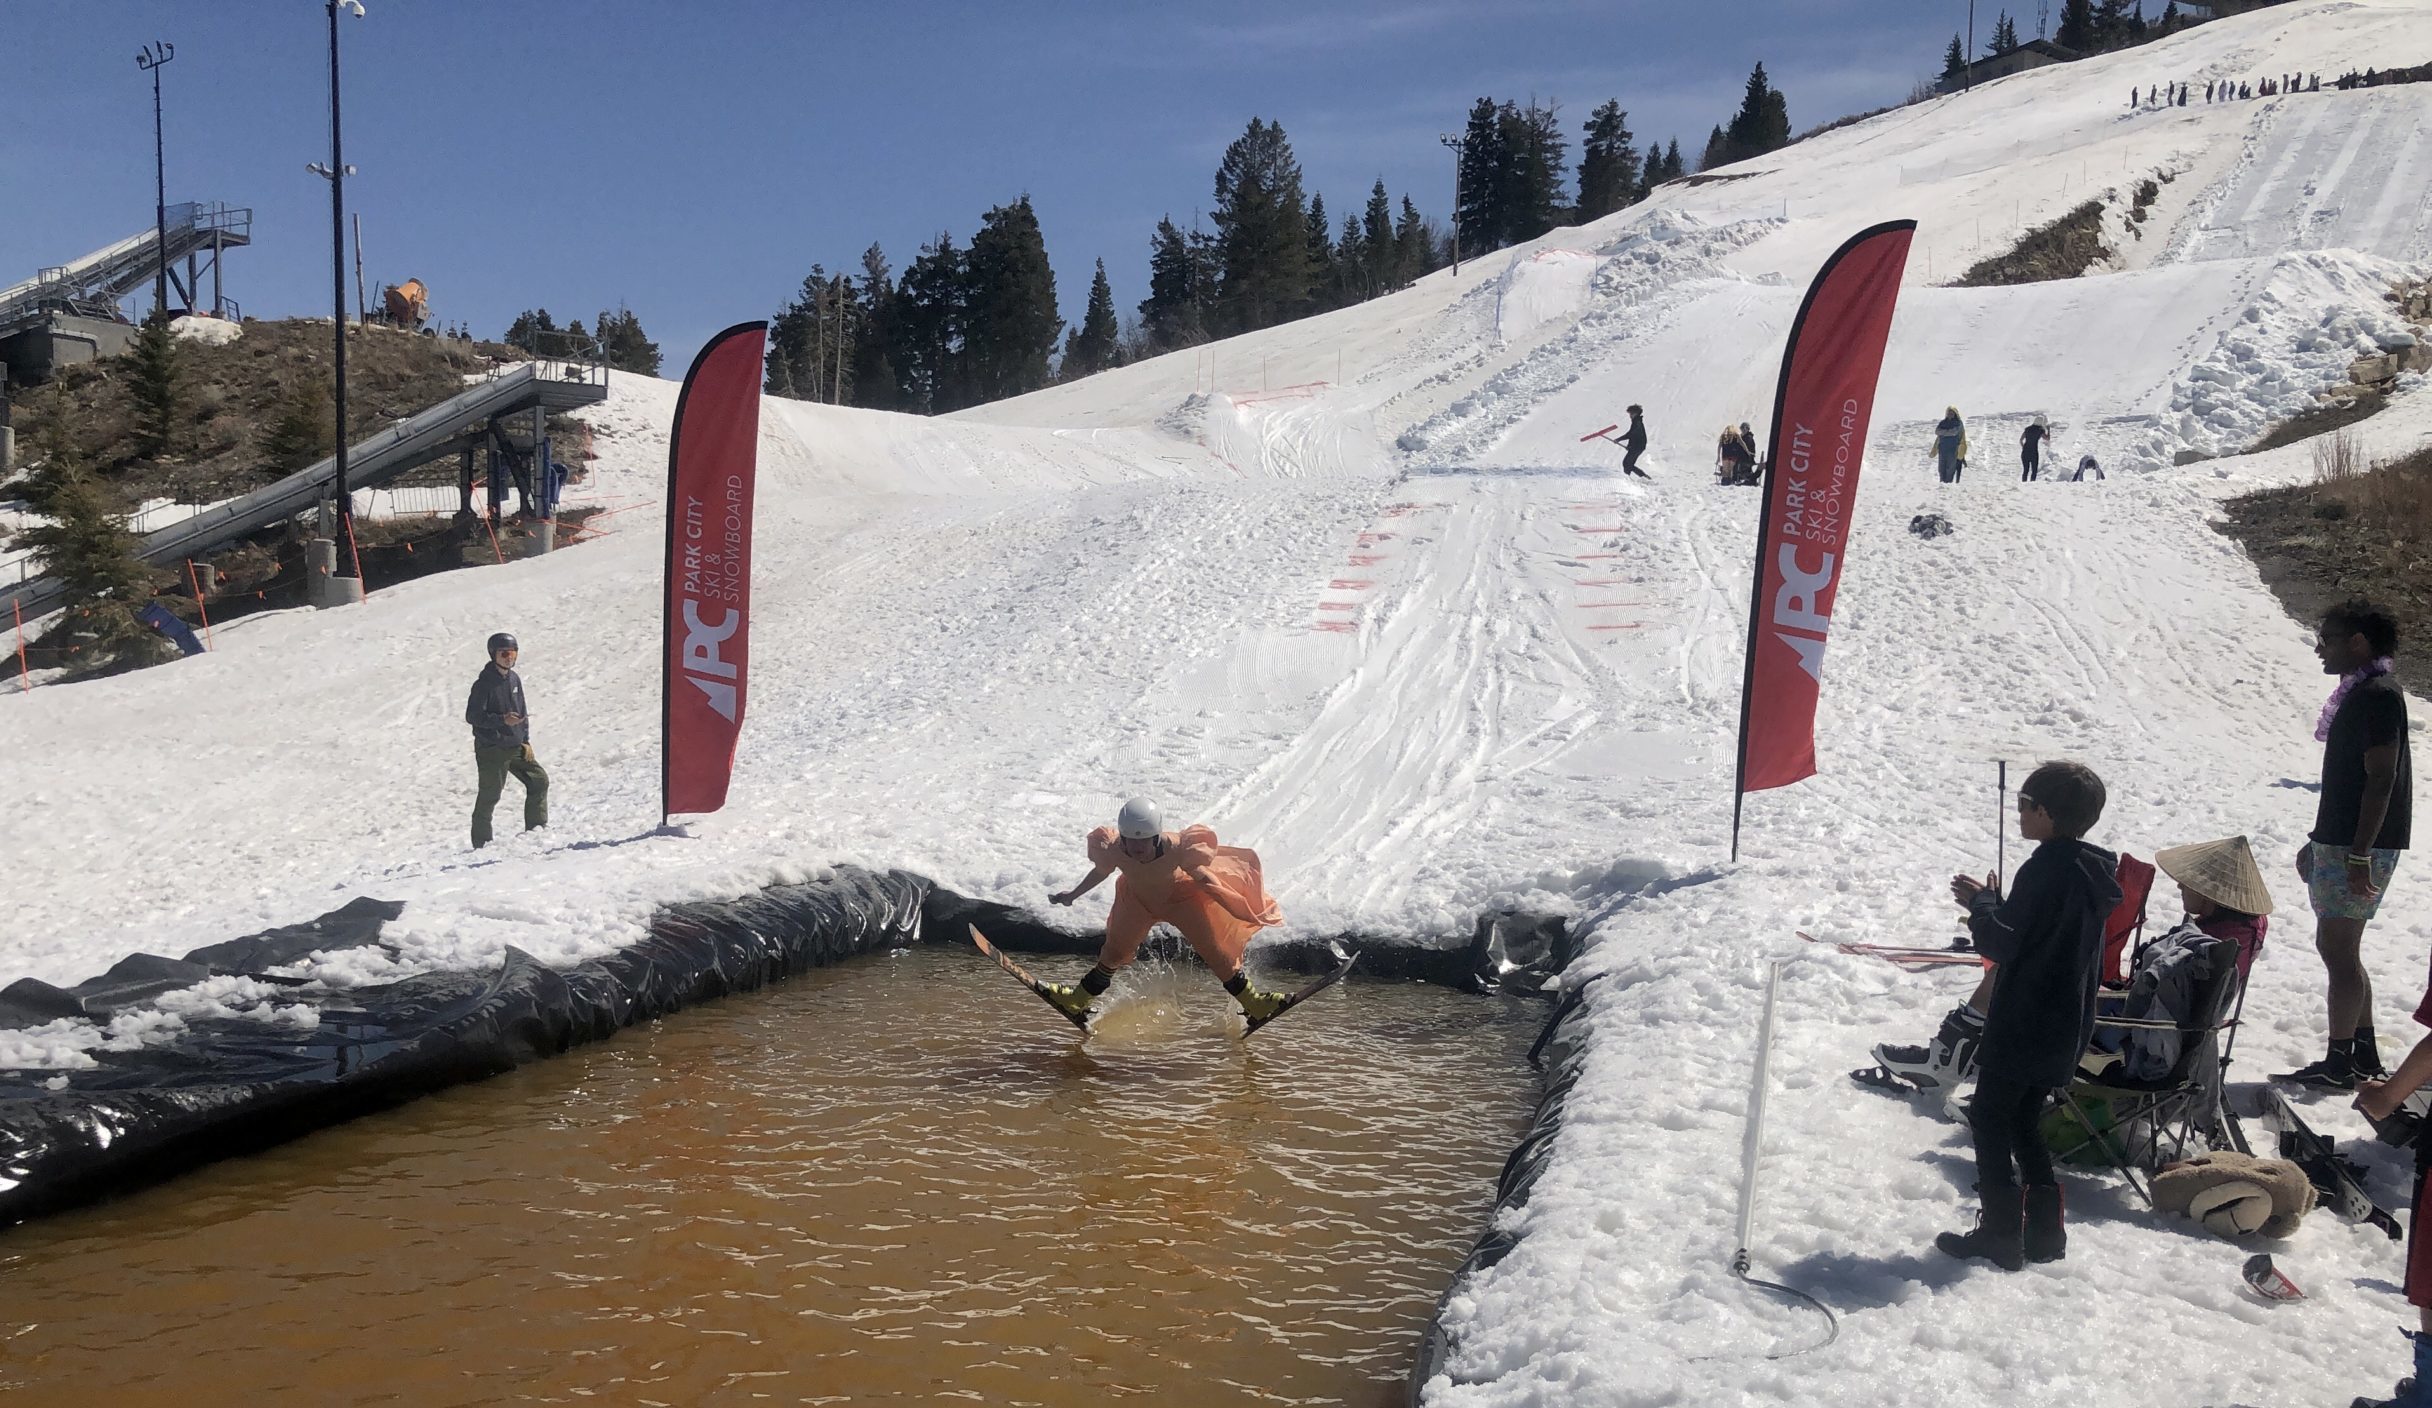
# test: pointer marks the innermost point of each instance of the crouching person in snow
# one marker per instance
(502, 741)
(2046, 942)
(1215, 894)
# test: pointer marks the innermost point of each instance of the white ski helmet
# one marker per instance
(1139, 820)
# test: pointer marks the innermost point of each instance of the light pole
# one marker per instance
(348, 565)
(150, 58)
(1970, 70)
(1455, 144)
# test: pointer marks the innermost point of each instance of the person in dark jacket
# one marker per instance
(2031, 449)
(1951, 445)
(2045, 939)
(2361, 825)
(502, 741)
(1634, 443)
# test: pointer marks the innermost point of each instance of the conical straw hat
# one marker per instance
(2222, 871)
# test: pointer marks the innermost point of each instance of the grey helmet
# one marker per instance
(1139, 820)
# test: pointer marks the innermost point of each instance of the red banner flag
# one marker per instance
(1820, 415)
(711, 456)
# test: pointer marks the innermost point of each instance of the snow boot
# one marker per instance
(1074, 999)
(2364, 1056)
(2000, 1231)
(2047, 1236)
(1257, 1004)
(1945, 1064)
(2415, 1392)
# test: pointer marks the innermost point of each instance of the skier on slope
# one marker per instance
(1215, 894)
(1634, 443)
(1951, 444)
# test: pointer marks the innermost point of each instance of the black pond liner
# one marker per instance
(235, 1086)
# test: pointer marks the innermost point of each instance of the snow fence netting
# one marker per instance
(230, 1086)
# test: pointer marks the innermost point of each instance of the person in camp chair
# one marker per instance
(1215, 894)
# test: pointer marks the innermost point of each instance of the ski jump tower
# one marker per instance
(70, 313)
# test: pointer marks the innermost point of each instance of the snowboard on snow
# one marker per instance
(1023, 976)
(1310, 989)
(2331, 1176)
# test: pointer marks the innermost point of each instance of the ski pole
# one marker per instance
(2001, 834)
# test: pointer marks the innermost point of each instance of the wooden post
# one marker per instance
(23, 684)
(194, 580)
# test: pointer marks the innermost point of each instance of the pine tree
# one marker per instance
(1262, 233)
(1351, 265)
(525, 331)
(928, 348)
(1376, 234)
(1169, 316)
(1414, 246)
(777, 369)
(1534, 160)
(626, 346)
(1479, 218)
(1323, 275)
(2005, 34)
(872, 371)
(87, 548)
(2170, 17)
(1718, 151)
(1010, 330)
(1094, 346)
(2077, 26)
(1954, 60)
(1608, 163)
(157, 381)
(300, 437)
(1674, 167)
(1762, 124)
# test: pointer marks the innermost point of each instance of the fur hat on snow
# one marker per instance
(2236, 1195)
(2222, 871)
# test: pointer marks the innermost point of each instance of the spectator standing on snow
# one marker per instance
(502, 741)
(2046, 943)
(1732, 462)
(2360, 826)
(1951, 444)
(1756, 457)
(2031, 449)
(1634, 443)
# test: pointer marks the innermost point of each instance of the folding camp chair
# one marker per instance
(2184, 1106)
(2127, 921)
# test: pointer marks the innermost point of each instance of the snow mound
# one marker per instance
(214, 332)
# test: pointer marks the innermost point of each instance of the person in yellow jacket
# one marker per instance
(1214, 893)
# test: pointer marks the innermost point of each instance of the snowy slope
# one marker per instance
(1354, 591)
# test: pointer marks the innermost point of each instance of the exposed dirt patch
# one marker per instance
(2365, 530)
(2064, 249)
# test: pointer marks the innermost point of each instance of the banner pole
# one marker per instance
(204, 611)
(24, 685)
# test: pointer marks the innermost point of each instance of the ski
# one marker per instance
(2340, 1190)
(1914, 959)
(1315, 986)
(1023, 976)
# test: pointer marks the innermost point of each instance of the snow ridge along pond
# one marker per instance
(1407, 635)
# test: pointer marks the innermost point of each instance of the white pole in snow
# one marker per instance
(1749, 1146)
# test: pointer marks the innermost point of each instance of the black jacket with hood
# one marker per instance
(2046, 941)
(496, 694)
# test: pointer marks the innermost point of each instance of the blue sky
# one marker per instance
(691, 160)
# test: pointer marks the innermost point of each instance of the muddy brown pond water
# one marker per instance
(897, 1180)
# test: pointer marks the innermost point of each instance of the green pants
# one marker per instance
(495, 764)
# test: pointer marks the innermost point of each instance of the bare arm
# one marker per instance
(1097, 876)
(2380, 780)
(2378, 1098)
